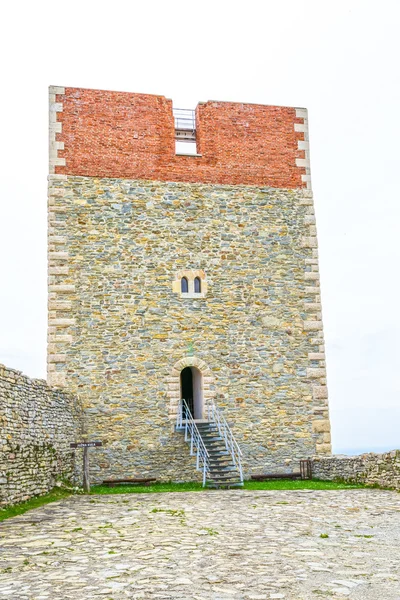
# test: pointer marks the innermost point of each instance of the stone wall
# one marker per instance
(371, 469)
(120, 331)
(37, 424)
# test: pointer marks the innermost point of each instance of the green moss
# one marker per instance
(174, 513)
(210, 531)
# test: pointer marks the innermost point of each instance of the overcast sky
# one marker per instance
(340, 59)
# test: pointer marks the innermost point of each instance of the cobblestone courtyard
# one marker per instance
(220, 545)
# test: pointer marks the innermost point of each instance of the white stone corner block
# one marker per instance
(309, 242)
(308, 275)
(56, 107)
(56, 89)
(309, 220)
(63, 289)
(300, 127)
(61, 322)
(316, 373)
(56, 379)
(320, 392)
(316, 356)
(57, 162)
(312, 325)
(303, 145)
(302, 162)
(301, 113)
(57, 358)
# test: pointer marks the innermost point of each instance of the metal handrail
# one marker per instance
(192, 434)
(215, 415)
(185, 119)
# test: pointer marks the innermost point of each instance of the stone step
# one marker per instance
(219, 453)
(224, 472)
(211, 484)
(207, 429)
(223, 476)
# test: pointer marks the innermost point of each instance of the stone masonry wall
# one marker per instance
(99, 133)
(37, 424)
(119, 332)
(371, 469)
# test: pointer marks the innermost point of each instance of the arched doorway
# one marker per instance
(203, 382)
(192, 390)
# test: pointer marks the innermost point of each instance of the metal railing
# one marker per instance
(192, 435)
(216, 416)
(185, 119)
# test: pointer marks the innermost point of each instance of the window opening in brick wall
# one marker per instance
(197, 285)
(186, 148)
(185, 131)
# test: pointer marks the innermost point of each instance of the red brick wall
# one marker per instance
(115, 134)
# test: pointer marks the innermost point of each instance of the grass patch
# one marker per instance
(36, 502)
(147, 489)
(275, 484)
(307, 484)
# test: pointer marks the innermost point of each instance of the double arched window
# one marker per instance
(190, 284)
(194, 287)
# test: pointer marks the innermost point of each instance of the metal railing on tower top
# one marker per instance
(185, 119)
(185, 124)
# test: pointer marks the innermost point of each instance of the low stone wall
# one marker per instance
(371, 469)
(37, 424)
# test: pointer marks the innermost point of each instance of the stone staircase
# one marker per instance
(222, 470)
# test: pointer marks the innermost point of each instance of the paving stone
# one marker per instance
(236, 545)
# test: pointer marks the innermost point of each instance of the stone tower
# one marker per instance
(170, 272)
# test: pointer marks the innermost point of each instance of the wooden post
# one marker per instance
(86, 481)
(85, 446)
